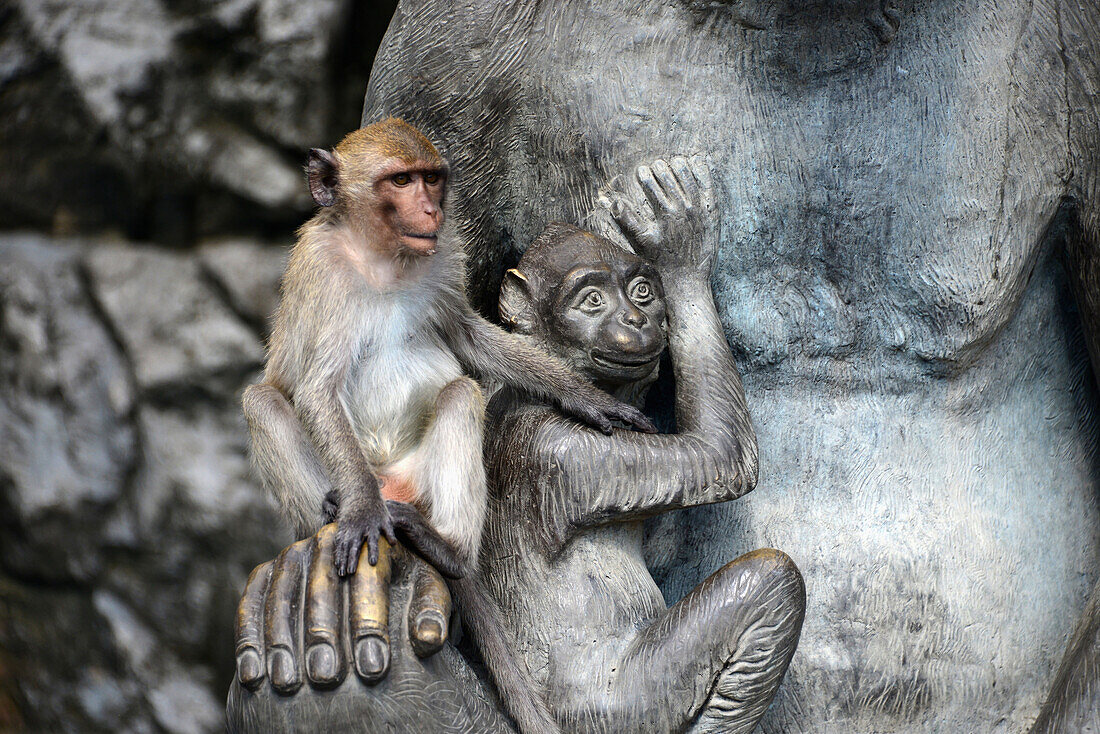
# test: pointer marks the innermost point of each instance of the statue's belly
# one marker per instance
(947, 529)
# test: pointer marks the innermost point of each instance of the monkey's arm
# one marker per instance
(362, 514)
(490, 352)
(313, 346)
(585, 478)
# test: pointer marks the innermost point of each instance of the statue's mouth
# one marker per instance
(623, 361)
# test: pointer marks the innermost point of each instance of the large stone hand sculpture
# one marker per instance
(315, 653)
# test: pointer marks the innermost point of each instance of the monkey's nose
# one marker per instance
(633, 317)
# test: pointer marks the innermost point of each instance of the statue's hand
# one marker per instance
(300, 627)
(675, 226)
(270, 646)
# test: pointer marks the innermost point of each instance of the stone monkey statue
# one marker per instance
(562, 552)
(909, 276)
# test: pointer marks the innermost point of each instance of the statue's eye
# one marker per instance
(641, 292)
(592, 300)
(401, 179)
(431, 178)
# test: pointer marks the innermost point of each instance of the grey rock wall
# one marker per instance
(152, 153)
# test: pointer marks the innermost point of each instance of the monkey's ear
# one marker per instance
(321, 168)
(517, 308)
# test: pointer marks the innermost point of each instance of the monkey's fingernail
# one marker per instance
(321, 663)
(249, 670)
(372, 658)
(284, 673)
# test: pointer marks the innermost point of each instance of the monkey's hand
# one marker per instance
(599, 410)
(364, 517)
(675, 227)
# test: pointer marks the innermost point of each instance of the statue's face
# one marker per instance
(606, 316)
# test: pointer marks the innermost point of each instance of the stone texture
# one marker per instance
(249, 274)
(203, 99)
(175, 329)
(124, 480)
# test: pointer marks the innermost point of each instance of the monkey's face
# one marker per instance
(409, 203)
(606, 317)
(386, 180)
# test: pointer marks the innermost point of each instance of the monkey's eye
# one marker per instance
(590, 301)
(431, 178)
(401, 179)
(641, 292)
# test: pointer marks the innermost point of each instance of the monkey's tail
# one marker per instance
(513, 681)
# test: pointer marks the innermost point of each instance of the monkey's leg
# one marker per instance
(449, 471)
(714, 660)
(284, 458)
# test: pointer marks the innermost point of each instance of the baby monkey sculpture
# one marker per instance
(562, 557)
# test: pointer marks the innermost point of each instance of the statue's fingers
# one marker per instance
(325, 662)
(281, 618)
(700, 166)
(369, 615)
(662, 171)
(249, 630)
(653, 191)
(634, 225)
(429, 611)
(686, 178)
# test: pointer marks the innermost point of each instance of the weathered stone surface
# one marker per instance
(249, 272)
(124, 481)
(174, 328)
(66, 440)
(203, 98)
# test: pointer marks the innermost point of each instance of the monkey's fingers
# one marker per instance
(429, 612)
(281, 618)
(678, 198)
(684, 176)
(369, 616)
(249, 632)
(346, 548)
(325, 663)
(634, 417)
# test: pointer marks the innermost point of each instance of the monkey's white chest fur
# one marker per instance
(391, 392)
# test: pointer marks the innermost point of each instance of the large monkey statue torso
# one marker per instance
(899, 186)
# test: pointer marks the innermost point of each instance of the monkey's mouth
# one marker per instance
(421, 244)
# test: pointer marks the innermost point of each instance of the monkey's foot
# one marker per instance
(351, 532)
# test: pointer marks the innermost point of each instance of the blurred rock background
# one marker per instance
(152, 154)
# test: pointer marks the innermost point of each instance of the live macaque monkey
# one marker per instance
(365, 398)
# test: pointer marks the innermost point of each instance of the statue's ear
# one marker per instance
(517, 308)
(321, 168)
